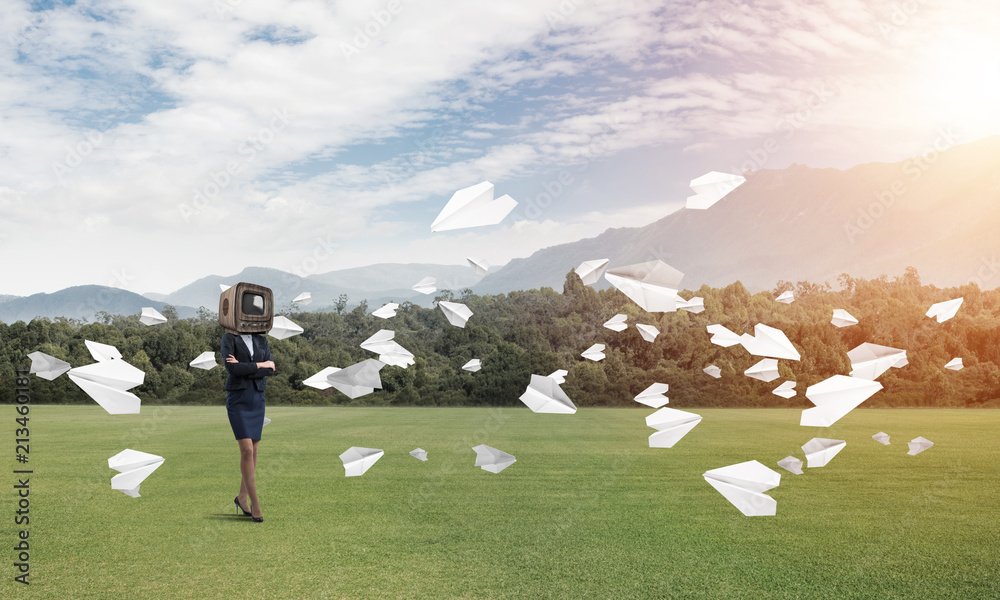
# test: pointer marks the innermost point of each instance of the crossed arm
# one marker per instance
(253, 370)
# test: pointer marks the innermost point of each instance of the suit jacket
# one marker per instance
(245, 373)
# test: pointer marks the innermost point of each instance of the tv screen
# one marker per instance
(252, 305)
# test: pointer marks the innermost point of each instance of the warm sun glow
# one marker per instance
(962, 89)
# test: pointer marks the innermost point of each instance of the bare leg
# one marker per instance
(256, 510)
(247, 470)
(242, 496)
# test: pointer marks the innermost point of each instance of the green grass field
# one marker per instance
(587, 511)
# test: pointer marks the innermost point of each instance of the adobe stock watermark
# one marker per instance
(373, 27)
(913, 169)
(899, 16)
(247, 150)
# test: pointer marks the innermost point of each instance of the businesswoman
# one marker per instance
(248, 361)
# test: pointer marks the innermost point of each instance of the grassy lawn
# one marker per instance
(587, 511)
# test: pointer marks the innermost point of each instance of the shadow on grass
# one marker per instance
(228, 517)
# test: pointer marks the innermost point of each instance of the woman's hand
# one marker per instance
(268, 364)
(231, 359)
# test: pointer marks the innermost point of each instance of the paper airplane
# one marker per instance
(842, 318)
(47, 367)
(712, 187)
(617, 322)
(419, 454)
(387, 310)
(694, 305)
(820, 451)
(559, 376)
(133, 468)
(590, 271)
(205, 360)
(786, 297)
(283, 328)
(150, 316)
(479, 265)
(766, 370)
(595, 352)
(790, 463)
(653, 395)
(652, 285)
(544, 395)
(492, 460)
(671, 425)
(744, 485)
(473, 207)
(473, 365)
(713, 370)
(303, 298)
(427, 285)
(355, 381)
(881, 437)
(648, 332)
(109, 380)
(224, 287)
(320, 380)
(868, 361)
(944, 310)
(267, 421)
(785, 390)
(955, 364)
(722, 336)
(769, 342)
(358, 460)
(456, 312)
(389, 352)
(834, 397)
(918, 445)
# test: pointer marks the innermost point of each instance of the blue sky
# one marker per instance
(119, 120)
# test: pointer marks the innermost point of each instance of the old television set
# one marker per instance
(246, 308)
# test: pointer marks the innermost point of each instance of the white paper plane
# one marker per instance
(320, 380)
(712, 187)
(868, 361)
(473, 365)
(107, 382)
(388, 310)
(267, 421)
(744, 485)
(102, 352)
(388, 350)
(881, 437)
(492, 460)
(785, 390)
(559, 376)
(713, 370)
(47, 367)
(544, 395)
(786, 297)
(479, 265)
(769, 342)
(722, 336)
(792, 464)
(671, 425)
(473, 206)
(695, 305)
(456, 313)
(303, 298)
(427, 285)
(224, 287)
(820, 451)
(205, 360)
(590, 271)
(419, 454)
(918, 445)
(283, 327)
(354, 381)
(648, 332)
(617, 322)
(834, 397)
(652, 285)
(943, 311)
(842, 318)
(133, 468)
(766, 370)
(955, 364)
(150, 316)
(595, 352)
(358, 460)
(653, 395)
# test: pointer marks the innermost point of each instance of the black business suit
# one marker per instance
(246, 384)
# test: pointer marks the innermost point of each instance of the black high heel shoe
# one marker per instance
(236, 501)
(259, 519)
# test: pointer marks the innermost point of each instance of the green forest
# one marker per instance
(539, 331)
